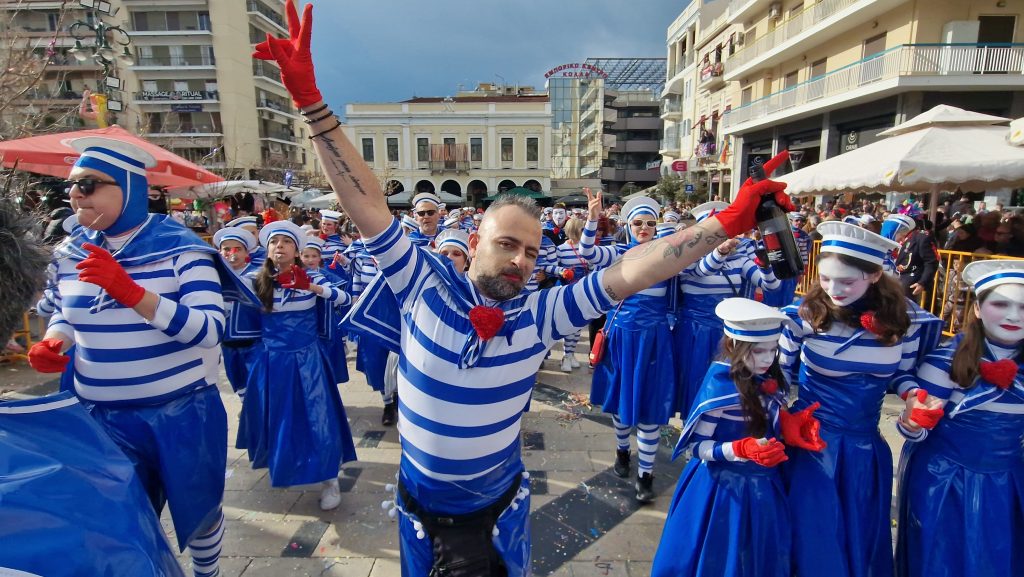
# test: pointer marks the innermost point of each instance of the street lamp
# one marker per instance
(109, 47)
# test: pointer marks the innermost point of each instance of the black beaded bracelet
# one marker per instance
(338, 125)
(315, 111)
(324, 117)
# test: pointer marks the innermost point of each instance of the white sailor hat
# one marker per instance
(703, 211)
(867, 219)
(235, 233)
(409, 221)
(442, 206)
(428, 197)
(548, 210)
(851, 219)
(749, 320)
(313, 242)
(243, 221)
(796, 215)
(282, 227)
(896, 222)
(988, 274)
(455, 237)
(330, 215)
(670, 216)
(852, 240)
(455, 213)
(640, 205)
(450, 222)
(665, 229)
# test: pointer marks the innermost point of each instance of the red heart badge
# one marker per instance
(486, 321)
(770, 386)
(867, 320)
(999, 373)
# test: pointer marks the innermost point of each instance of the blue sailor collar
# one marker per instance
(984, 392)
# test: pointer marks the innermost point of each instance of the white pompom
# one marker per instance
(385, 504)
(495, 532)
(420, 534)
(389, 487)
(515, 506)
(526, 474)
(393, 513)
(417, 525)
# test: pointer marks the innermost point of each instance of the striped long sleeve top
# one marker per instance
(736, 275)
(458, 424)
(123, 359)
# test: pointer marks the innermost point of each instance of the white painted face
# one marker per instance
(558, 216)
(843, 283)
(762, 356)
(1002, 313)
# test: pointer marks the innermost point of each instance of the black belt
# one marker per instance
(462, 543)
(238, 344)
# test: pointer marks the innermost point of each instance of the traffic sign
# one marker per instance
(689, 188)
(679, 165)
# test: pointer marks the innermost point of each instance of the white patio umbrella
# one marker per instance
(324, 201)
(941, 149)
(229, 187)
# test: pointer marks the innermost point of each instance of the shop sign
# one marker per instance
(172, 95)
(576, 70)
(186, 108)
(679, 165)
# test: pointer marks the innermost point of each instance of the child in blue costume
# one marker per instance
(294, 416)
(962, 482)
(333, 251)
(728, 271)
(730, 516)
(242, 328)
(328, 314)
(142, 299)
(635, 381)
(251, 225)
(855, 337)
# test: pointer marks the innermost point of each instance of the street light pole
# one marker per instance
(105, 41)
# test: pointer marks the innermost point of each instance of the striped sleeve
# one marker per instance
(57, 322)
(709, 265)
(332, 293)
(546, 260)
(588, 239)
(704, 447)
(933, 376)
(196, 318)
(563, 310)
(47, 303)
(756, 276)
(902, 380)
(400, 262)
(789, 352)
(602, 256)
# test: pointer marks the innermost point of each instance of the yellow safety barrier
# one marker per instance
(949, 298)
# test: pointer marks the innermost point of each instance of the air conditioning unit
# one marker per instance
(740, 37)
(775, 11)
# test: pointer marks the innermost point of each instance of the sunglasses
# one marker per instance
(426, 212)
(643, 223)
(88, 185)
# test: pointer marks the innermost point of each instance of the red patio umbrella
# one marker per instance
(50, 154)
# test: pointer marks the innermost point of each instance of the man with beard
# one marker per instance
(471, 344)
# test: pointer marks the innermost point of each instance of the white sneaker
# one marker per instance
(573, 361)
(566, 365)
(330, 495)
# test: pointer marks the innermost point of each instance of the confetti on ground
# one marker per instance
(575, 405)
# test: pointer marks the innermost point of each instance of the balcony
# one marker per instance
(266, 13)
(262, 69)
(816, 24)
(670, 144)
(279, 136)
(155, 62)
(145, 96)
(672, 108)
(449, 158)
(900, 69)
(610, 116)
(711, 76)
(276, 108)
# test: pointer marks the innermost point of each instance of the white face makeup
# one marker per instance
(1002, 313)
(762, 356)
(844, 284)
(558, 216)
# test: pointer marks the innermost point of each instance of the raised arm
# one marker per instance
(351, 178)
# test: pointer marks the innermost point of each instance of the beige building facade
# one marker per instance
(190, 84)
(824, 77)
(471, 146)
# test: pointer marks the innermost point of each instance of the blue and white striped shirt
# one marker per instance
(123, 359)
(736, 275)
(459, 424)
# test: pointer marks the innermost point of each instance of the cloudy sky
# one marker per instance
(390, 50)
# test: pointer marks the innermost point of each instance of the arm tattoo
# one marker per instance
(688, 239)
(611, 293)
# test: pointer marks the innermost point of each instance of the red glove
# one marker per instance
(923, 417)
(100, 269)
(801, 429)
(568, 275)
(739, 217)
(296, 279)
(293, 56)
(45, 356)
(768, 454)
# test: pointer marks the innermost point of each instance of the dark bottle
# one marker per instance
(776, 234)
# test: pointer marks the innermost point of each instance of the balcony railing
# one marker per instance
(449, 157)
(671, 106)
(265, 70)
(910, 60)
(278, 135)
(274, 105)
(671, 140)
(176, 95)
(254, 6)
(805, 20)
(175, 61)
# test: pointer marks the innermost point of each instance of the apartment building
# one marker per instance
(469, 146)
(824, 77)
(189, 81)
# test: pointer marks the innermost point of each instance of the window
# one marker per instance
(173, 21)
(204, 21)
(368, 149)
(746, 96)
(141, 21)
(422, 149)
(818, 68)
(532, 151)
(791, 79)
(392, 150)
(506, 150)
(874, 45)
(149, 86)
(476, 149)
(52, 20)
